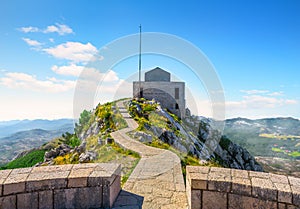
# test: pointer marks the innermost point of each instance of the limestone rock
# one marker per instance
(87, 157)
(61, 150)
(143, 137)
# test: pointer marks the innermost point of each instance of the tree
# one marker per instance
(84, 119)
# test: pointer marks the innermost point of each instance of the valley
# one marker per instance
(35, 133)
(275, 142)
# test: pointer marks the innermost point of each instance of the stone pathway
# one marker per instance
(156, 181)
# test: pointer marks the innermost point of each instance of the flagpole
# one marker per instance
(140, 62)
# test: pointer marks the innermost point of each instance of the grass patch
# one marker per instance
(113, 152)
(159, 144)
(106, 154)
(279, 137)
(28, 160)
(158, 120)
(119, 121)
(187, 160)
(295, 154)
(125, 152)
(127, 174)
(142, 123)
(91, 142)
(274, 149)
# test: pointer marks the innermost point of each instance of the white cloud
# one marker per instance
(259, 102)
(263, 92)
(91, 80)
(73, 51)
(61, 29)
(262, 103)
(276, 93)
(29, 29)
(254, 91)
(31, 42)
(51, 40)
(291, 102)
(29, 82)
(89, 74)
(72, 69)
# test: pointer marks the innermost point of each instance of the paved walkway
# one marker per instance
(156, 181)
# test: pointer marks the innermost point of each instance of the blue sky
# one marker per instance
(254, 46)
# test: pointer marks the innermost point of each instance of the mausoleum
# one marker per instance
(158, 86)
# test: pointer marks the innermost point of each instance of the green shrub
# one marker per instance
(71, 139)
(74, 141)
(28, 160)
(148, 107)
(224, 142)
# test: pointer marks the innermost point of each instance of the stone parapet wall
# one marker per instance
(91, 185)
(219, 188)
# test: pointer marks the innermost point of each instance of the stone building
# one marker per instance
(158, 86)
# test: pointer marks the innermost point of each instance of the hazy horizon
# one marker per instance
(254, 47)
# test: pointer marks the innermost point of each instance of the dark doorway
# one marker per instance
(141, 93)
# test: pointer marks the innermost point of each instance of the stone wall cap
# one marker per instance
(264, 186)
(47, 177)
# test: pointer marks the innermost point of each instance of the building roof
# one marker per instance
(157, 74)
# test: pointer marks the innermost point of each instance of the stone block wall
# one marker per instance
(91, 185)
(218, 188)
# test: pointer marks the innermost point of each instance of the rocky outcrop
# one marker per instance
(235, 156)
(171, 139)
(87, 157)
(226, 152)
(94, 129)
(183, 140)
(61, 150)
(197, 136)
(143, 137)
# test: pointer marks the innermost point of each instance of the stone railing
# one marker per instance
(67, 186)
(229, 188)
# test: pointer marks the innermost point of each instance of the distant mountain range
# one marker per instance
(8, 128)
(18, 136)
(280, 126)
